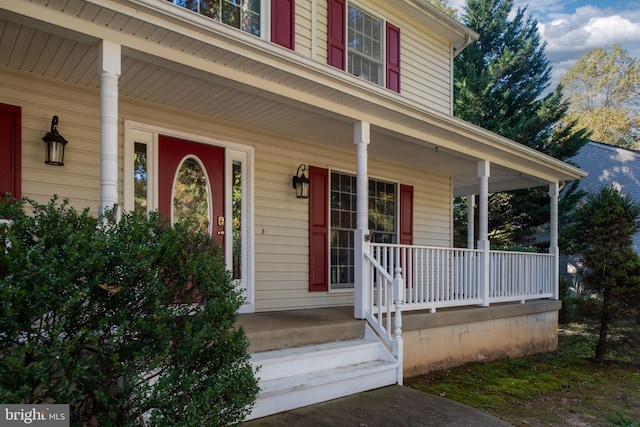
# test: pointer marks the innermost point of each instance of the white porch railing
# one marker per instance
(438, 277)
(520, 276)
(406, 277)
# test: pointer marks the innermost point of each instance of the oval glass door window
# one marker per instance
(191, 198)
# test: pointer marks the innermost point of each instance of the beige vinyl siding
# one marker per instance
(425, 62)
(321, 32)
(431, 200)
(425, 70)
(78, 110)
(425, 58)
(280, 220)
(281, 226)
(304, 27)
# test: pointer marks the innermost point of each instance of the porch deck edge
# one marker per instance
(417, 320)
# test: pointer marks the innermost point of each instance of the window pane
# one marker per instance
(382, 211)
(191, 195)
(382, 221)
(343, 216)
(364, 46)
(236, 209)
(242, 14)
(140, 197)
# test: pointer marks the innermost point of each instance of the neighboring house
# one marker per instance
(240, 95)
(609, 165)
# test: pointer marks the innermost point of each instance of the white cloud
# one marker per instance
(570, 31)
(586, 29)
(570, 36)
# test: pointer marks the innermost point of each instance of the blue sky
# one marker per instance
(571, 28)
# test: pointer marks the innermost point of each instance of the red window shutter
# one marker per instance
(406, 214)
(336, 37)
(283, 18)
(393, 58)
(318, 229)
(10, 140)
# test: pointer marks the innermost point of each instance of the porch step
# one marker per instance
(294, 328)
(301, 376)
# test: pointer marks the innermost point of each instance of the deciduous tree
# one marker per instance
(444, 6)
(604, 90)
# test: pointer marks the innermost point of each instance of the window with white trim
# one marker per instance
(382, 223)
(365, 45)
(242, 14)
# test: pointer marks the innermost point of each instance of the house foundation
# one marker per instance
(453, 337)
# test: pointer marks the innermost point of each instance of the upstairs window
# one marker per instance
(247, 15)
(363, 44)
(241, 14)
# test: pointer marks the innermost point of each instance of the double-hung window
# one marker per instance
(363, 44)
(382, 223)
(332, 224)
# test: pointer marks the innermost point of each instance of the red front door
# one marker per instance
(191, 183)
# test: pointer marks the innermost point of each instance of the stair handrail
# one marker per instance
(392, 308)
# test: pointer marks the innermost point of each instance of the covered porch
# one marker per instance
(321, 352)
(175, 74)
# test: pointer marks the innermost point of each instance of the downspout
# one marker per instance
(554, 249)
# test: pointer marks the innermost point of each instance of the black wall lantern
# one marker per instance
(301, 183)
(55, 145)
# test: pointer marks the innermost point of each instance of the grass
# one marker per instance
(564, 388)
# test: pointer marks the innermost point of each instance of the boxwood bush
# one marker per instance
(130, 322)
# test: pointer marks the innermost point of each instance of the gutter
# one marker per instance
(458, 49)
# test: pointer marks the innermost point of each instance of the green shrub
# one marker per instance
(124, 321)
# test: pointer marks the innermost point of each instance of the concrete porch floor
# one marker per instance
(292, 328)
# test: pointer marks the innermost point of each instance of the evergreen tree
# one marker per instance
(604, 225)
(499, 85)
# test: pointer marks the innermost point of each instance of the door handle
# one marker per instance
(221, 233)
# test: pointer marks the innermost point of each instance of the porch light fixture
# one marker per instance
(301, 183)
(55, 145)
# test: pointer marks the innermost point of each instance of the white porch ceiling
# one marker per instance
(252, 90)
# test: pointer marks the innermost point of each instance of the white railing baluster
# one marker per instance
(445, 277)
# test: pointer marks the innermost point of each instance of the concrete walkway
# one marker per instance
(385, 407)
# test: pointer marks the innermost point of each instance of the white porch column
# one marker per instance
(109, 63)
(483, 229)
(471, 219)
(361, 137)
(554, 195)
